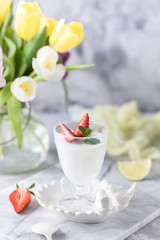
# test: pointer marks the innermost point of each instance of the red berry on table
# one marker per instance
(65, 131)
(20, 198)
(84, 122)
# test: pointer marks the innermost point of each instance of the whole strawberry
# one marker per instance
(20, 198)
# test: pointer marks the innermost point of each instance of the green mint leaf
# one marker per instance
(89, 132)
(86, 133)
(92, 141)
(83, 130)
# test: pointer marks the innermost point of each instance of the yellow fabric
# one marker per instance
(28, 19)
(4, 9)
(65, 37)
(130, 132)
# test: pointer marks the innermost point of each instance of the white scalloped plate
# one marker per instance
(49, 196)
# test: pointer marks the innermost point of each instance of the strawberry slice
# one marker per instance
(20, 198)
(65, 131)
(84, 122)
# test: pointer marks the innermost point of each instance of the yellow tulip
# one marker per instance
(28, 19)
(49, 23)
(65, 37)
(4, 9)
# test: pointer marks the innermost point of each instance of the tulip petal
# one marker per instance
(69, 37)
(56, 31)
(24, 89)
(77, 28)
(40, 70)
(45, 65)
(51, 25)
(47, 51)
(59, 73)
(55, 75)
(28, 19)
(4, 9)
(36, 67)
(67, 41)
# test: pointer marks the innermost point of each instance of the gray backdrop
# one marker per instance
(122, 38)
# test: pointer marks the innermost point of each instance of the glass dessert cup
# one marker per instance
(81, 162)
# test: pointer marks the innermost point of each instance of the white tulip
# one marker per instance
(45, 65)
(24, 89)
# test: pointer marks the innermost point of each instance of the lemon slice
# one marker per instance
(135, 170)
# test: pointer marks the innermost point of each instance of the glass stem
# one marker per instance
(81, 191)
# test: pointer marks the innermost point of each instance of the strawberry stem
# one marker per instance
(32, 186)
(32, 193)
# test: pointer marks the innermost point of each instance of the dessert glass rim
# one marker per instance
(77, 121)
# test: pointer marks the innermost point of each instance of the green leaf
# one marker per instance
(15, 116)
(10, 71)
(6, 24)
(5, 48)
(11, 45)
(10, 33)
(20, 64)
(80, 67)
(17, 186)
(65, 94)
(92, 141)
(33, 45)
(5, 94)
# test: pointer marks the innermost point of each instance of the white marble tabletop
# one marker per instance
(149, 232)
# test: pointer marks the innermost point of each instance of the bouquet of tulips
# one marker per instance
(35, 51)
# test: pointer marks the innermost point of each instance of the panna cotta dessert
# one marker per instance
(81, 148)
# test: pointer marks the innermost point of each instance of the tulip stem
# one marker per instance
(80, 67)
(39, 79)
(65, 94)
(24, 42)
(32, 74)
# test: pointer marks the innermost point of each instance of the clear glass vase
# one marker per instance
(34, 149)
